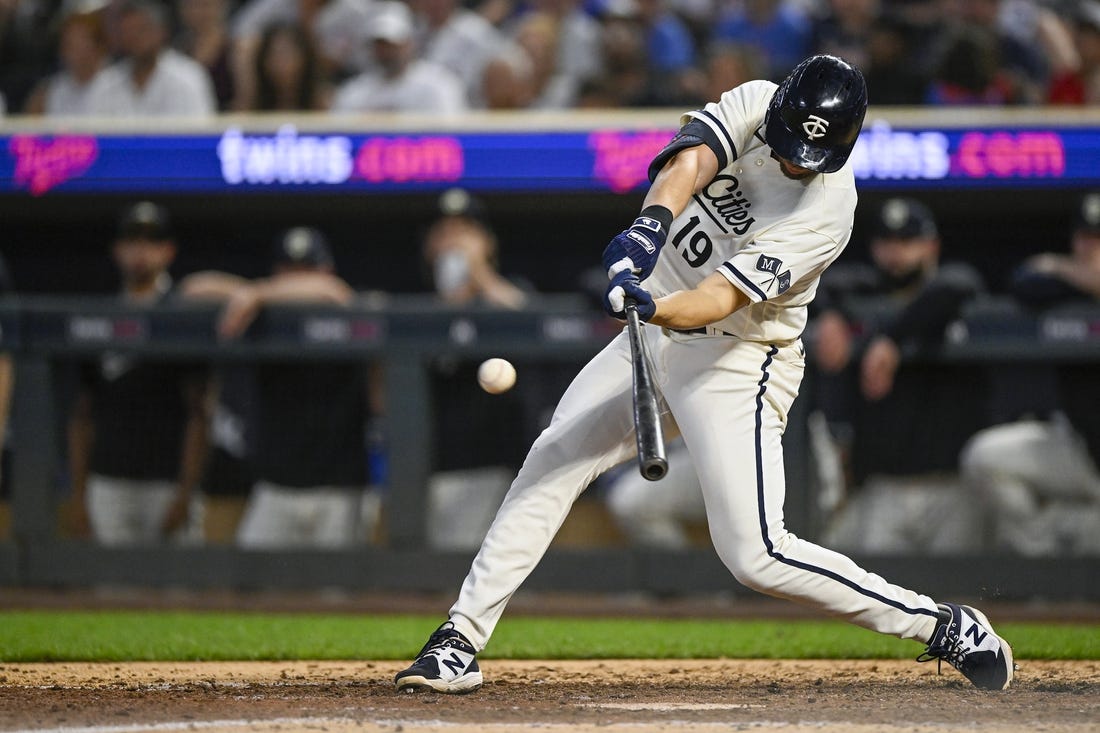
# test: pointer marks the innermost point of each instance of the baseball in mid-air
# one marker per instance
(496, 375)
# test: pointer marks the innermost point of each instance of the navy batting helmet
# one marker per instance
(816, 114)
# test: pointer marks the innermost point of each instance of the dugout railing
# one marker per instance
(405, 336)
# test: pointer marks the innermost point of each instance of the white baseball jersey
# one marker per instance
(769, 235)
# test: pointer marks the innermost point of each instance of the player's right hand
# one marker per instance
(625, 285)
(635, 249)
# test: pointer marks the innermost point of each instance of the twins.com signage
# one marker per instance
(612, 161)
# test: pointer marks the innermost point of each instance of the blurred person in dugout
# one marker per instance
(1038, 478)
(900, 422)
(309, 424)
(479, 440)
(137, 431)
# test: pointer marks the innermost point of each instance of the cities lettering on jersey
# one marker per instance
(725, 195)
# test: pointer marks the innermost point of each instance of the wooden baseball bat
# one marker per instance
(652, 461)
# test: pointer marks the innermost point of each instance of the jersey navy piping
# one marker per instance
(725, 133)
(772, 351)
(748, 283)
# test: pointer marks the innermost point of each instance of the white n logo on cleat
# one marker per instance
(975, 633)
(453, 663)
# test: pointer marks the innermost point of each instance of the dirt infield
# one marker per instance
(636, 696)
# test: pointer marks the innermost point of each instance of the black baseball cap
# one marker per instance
(303, 246)
(1087, 216)
(904, 218)
(145, 220)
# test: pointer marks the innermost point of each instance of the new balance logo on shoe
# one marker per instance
(447, 663)
(975, 632)
(454, 664)
(966, 640)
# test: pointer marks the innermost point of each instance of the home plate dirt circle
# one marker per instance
(610, 696)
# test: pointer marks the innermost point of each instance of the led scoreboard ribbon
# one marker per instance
(596, 160)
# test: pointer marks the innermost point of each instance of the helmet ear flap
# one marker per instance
(816, 114)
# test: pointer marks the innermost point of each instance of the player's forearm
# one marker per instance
(713, 300)
(305, 287)
(211, 285)
(681, 178)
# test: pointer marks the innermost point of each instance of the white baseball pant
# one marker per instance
(729, 398)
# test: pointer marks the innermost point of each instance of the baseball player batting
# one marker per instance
(749, 203)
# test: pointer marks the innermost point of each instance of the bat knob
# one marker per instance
(655, 468)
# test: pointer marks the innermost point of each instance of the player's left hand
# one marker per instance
(627, 285)
(636, 249)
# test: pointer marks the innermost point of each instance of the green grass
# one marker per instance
(177, 636)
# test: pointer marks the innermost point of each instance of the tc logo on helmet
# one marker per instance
(815, 127)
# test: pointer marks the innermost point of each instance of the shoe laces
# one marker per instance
(441, 638)
(950, 649)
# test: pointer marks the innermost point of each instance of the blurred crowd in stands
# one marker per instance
(135, 58)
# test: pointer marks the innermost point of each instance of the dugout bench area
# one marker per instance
(405, 336)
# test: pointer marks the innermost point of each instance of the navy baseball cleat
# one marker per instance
(447, 663)
(965, 639)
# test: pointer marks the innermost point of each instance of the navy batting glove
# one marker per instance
(636, 249)
(627, 285)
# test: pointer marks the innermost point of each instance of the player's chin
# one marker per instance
(792, 171)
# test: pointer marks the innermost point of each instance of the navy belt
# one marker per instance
(701, 331)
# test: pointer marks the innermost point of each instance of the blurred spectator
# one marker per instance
(287, 73)
(1005, 64)
(576, 37)
(137, 432)
(26, 48)
(458, 39)
(627, 80)
(508, 80)
(151, 79)
(907, 421)
(538, 35)
(340, 30)
(309, 428)
(726, 66)
(895, 73)
(968, 71)
(401, 82)
(1038, 478)
(648, 57)
(1078, 82)
(669, 45)
(844, 30)
(82, 49)
(204, 36)
(778, 30)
